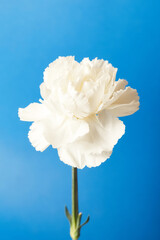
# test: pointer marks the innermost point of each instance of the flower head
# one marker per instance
(79, 111)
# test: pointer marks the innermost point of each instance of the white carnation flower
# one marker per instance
(79, 110)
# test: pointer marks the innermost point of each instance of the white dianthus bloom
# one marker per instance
(79, 111)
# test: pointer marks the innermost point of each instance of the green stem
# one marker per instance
(74, 195)
(74, 198)
(75, 218)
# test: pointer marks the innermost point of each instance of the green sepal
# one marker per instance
(79, 219)
(68, 215)
(85, 222)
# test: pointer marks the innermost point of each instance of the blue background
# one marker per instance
(122, 196)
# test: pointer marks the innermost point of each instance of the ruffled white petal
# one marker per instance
(95, 147)
(124, 103)
(59, 72)
(95, 95)
(110, 91)
(45, 92)
(66, 131)
(33, 112)
(36, 136)
(74, 103)
(120, 85)
(76, 158)
(94, 160)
